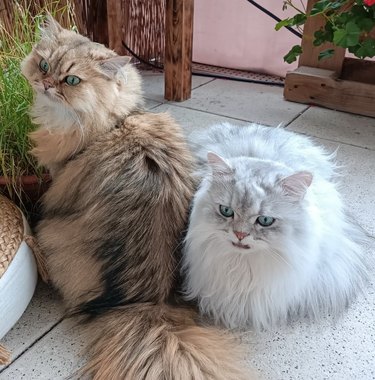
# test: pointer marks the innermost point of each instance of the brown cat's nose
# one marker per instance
(47, 84)
(241, 235)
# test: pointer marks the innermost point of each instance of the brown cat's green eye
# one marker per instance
(72, 80)
(43, 65)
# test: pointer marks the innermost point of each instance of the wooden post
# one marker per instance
(310, 53)
(115, 33)
(178, 49)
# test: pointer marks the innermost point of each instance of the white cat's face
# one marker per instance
(244, 215)
(249, 207)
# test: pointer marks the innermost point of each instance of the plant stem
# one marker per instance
(290, 3)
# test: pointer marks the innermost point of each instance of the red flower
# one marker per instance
(369, 2)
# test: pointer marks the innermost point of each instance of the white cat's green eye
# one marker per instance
(72, 80)
(265, 221)
(226, 211)
(43, 65)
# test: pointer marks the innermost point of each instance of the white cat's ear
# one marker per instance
(296, 184)
(218, 164)
(111, 66)
(50, 27)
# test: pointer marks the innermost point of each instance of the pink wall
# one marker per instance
(235, 34)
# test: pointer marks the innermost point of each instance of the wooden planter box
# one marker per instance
(340, 83)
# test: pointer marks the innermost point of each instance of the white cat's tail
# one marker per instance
(159, 342)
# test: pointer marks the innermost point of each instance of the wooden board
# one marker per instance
(324, 88)
(178, 49)
(310, 53)
(358, 70)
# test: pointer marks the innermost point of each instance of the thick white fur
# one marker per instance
(311, 265)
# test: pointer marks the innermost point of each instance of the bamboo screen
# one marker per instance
(141, 25)
(144, 28)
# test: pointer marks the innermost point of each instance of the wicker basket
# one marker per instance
(11, 232)
(18, 270)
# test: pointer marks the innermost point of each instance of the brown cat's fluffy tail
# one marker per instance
(159, 342)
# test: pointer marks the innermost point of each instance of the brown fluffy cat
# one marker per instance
(114, 214)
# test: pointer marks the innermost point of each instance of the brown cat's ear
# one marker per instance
(296, 184)
(111, 66)
(50, 27)
(218, 164)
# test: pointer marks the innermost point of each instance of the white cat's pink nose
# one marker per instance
(240, 235)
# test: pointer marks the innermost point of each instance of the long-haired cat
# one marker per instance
(114, 214)
(269, 238)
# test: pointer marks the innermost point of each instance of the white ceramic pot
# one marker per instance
(17, 285)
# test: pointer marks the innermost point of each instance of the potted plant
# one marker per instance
(20, 177)
(348, 24)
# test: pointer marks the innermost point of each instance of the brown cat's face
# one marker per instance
(70, 70)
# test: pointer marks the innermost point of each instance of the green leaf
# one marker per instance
(328, 53)
(319, 37)
(343, 18)
(339, 37)
(336, 5)
(298, 19)
(294, 52)
(282, 23)
(366, 24)
(366, 49)
(319, 7)
(358, 11)
(323, 35)
(347, 37)
(324, 6)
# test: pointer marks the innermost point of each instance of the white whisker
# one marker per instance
(279, 257)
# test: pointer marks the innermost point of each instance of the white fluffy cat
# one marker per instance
(269, 238)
